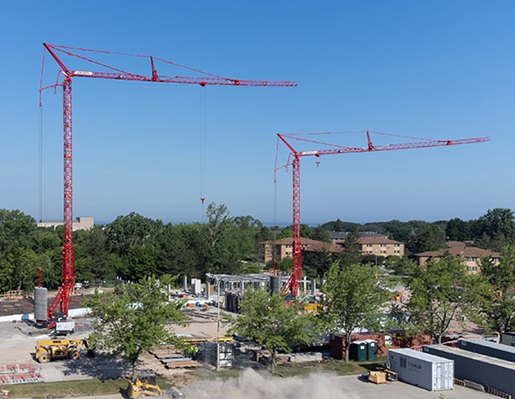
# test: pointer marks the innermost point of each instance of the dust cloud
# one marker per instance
(251, 385)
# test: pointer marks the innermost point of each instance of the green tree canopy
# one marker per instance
(494, 293)
(437, 294)
(134, 317)
(266, 319)
(495, 229)
(16, 230)
(458, 230)
(351, 253)
(429, 238)
(352, 298)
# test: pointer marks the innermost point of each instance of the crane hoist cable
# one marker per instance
(203, 120)
(40, 155)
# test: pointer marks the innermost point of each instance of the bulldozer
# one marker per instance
(144, 384)
(51, 349)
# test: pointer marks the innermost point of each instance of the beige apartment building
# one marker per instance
(370, 244)
(283, 248)
(81, 223)
(471, 256)
(381, 246)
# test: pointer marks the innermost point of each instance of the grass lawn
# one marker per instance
(290, 370)
(62, 389)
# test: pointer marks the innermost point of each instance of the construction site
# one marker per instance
(45, 333)
(23, 342)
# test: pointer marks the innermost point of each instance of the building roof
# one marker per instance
(467, 252)
(289, 241)
(329, 247)
(377, 240)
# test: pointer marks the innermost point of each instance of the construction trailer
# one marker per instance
(424, 370)
(488, 348)
(494, 375)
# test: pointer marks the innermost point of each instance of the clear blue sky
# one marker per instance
(440, 69)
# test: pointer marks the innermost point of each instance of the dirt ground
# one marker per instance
(17, 346)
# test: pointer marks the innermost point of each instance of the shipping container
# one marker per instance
(491, 373)
(488, 348)
(422, 369)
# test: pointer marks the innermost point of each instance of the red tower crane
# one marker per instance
(332, 149)
(68, 273)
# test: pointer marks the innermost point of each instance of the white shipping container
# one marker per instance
(427, 371)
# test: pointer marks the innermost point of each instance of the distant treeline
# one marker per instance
(133, 246)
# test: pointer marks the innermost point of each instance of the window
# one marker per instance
(369, 245)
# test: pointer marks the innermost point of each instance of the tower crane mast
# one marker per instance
(68, 269)
(294, 161)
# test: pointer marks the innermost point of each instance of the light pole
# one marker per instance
(217, 282)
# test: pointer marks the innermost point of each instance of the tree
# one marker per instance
(317, 261)
(495, 229)
(248, 233)
(18, 271)
(321, 234)
(399, 231)
(457, 230)
(352, 298)
(437, 294)
(428, 238)
(91, 244)
(126, 231)
(134, 317)
(16, 230)
(268, 320)
(223, 241)
(351, 250)
(494, 293)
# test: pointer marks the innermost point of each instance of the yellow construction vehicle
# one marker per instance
(144, 384)
(50, 349)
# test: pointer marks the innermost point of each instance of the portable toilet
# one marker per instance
(358, 351)
(371, 349)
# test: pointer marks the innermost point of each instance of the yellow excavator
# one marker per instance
(144, 384)
(51, 349)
